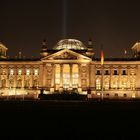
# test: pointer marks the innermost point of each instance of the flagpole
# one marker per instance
(102, 89)
(102, 71)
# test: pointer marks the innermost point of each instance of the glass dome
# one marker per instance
(72, 44)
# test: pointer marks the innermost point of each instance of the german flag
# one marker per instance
(102, 57)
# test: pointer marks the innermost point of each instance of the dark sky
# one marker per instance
(113, 23)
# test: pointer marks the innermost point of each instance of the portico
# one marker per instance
(66, 76)
(67, 68)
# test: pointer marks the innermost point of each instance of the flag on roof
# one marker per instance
(102, 57)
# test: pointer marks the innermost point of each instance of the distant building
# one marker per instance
(70, 65)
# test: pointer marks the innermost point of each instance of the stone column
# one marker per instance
(54, 69)
(119, 78)
(61, 78)
(79, 79)
(40, 76)
(138, 77)
(53, 76)
(7, 77)
(31, 73)
(110, 78)
(24, 76)
(43, 79)
(79, 72)
(88, 75)
(61, 75)
(15, 76)
(92, 75)
(70, 75)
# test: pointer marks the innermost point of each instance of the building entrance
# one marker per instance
(66, 76)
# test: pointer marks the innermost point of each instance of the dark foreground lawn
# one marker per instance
(72, 118)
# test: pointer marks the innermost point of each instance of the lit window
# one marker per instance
(57, 78)
(115, 84)
(106, 85)
(28, 72)
(132, 84)
(66, 80)
(133, 95)
(36, 72)
(123, 84)
(19, 72)
(75, 77)
(98, 84)
(3, 72)
(11, 72)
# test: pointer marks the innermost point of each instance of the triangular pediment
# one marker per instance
(66, 54)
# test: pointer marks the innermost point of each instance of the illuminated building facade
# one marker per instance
(70, 66)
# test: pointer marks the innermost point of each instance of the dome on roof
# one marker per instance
(136, 47)
(72, 44)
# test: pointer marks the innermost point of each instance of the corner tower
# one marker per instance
(90, 52)
(136, 49)
(43, 51)
(3, 51)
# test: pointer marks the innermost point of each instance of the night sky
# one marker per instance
(113, 23)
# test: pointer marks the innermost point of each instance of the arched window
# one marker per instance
(106, 84)
(11, 83)
(3, 83)
(27, 83)
(35, 83)
(123, 83)
(98, 84)
(132, 83)
(19, 83)
(114, 83)
(36, 72)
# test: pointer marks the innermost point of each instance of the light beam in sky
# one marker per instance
(64, 18)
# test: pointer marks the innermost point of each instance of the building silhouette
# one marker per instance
(68, 66)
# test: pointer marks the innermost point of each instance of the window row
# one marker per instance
(123, 84)
(20, 72)
(116, 95)
(19, 83)
(115, 72)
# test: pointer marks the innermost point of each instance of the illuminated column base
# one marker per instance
(60, 89)
(51, 89)
(70, 88)
(79, 90)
